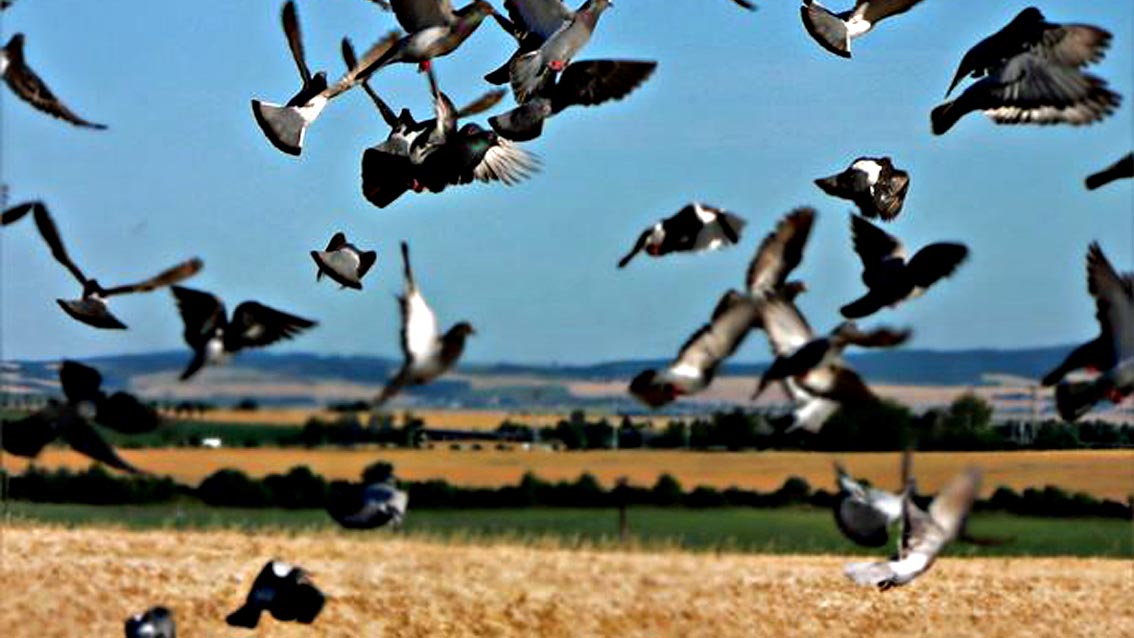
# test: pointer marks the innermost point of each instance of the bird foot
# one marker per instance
(425, 67)
(556, 65)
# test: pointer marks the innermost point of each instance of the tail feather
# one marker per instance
(282, 125)
(945, 116)
(826, 28)
(1074, 399)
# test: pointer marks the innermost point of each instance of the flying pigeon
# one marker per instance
(923, 534)
(1031, 73)
(157, 622)
(214, 338)
(734, 316)
(586, 83)
(553, 35)
(283, 590)
(695, 228)
(343, 262)
(873, 184)
(286, 126)
(434, 30)
(816, 364)
(362, 506)
(889, 276)
(834, 31)
(1111, 353)
(1122, 169)
(71, 420)
(864, 514)
(428, 353)
(30, 88)
(92, 308)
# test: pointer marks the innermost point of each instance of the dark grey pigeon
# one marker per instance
(873, 184)
(214, 337)
(1111, 353)
(587, 83)
(695, 228)
(283, 590)
(92, 308)
(1122, 169)
(367, 506)
(552, 36)
(834, 31)
(889, 276)
(286, 125)
(864, 514)
(433, 30)
(1030, 72)
(85, 404)
(157, 622)
(30, 88)
(427, 353)
(343, 262)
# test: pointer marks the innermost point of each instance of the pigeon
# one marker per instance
(587, 83)
(834, 31)
(924, 533)
(30, 88)
(343, 262)
(695, 228)
(889, 276)
(553, 36)
(1030, 72)
(157, 622)
(361, 506)
(816, 364)
(85, 403)
(428, 353)
(1122, 169)
(873, 184)
(864, 514)
(1111, 353)
(734, 316)
(286, 125)
(214, 338)
(17, 212)
(283, 590)
(92, 308)
(434, 30)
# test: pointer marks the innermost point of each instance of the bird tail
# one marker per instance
(501, 75)
(284, 126)
(406, 265)
(828, 29)
(247, 616)
(1074, 399)
(945, 116)
(1098, 180)
(829, 185)
(869, 573)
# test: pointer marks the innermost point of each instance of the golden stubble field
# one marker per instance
(84, 582)
(1107, 473)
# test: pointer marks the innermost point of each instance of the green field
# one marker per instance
(780, 531)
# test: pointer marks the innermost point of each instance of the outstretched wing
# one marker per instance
(17, 212)
(257, 325)
(541, 17)
(873, 244)
(30, 88)
(874, 10)
(83, 438)
(507, 163)
(50, 234)
(787, 329)
(295, 40)
(596, 81)
(1114, 301)
(174, 275)
(417, 15)
(201, 312)
(935, 262)
(719, 339)
(780, 252)
(360, 70)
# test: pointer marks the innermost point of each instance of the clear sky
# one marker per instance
(743, 112)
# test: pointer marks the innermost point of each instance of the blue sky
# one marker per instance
(744, 111)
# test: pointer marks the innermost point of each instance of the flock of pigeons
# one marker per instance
(1029, 72)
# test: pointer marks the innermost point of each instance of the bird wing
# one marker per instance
(541, 17)
(176, 274)
(935, 262)
(506, 162)
(50, 234)
(838, 383)
(257, 325)
(482, 103)
(124, 413)
(874, 10)
(717, 340)
(884, 337)
(638, 246)
(201, 312)
(1114, 301)
(17, 212)
(295, 39)
(355, 67)
(420, 334)
(780, 252)
(873, 244)
(351, 61)
(951, 506)
(1074, 45)
(418, 15)
(83, 438)
(596, 81)
(79, 382)
(1029, 88)
(30, 88)
(28, 436)
(786, 327)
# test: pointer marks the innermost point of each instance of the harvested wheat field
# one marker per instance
(84, 582)
(448, 419)
(1108, 474)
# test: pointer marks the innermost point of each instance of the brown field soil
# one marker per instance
(86, 581)
(1100, 473)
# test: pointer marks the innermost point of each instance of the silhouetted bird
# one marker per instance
(695, 228)
(434, 30)
(890, 278)
(213, 337)
(284, 591)
(873, 184)
(1122, 169)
